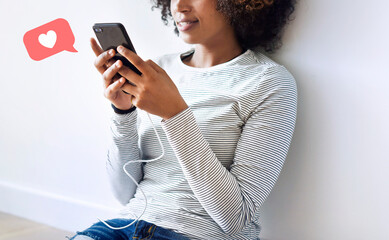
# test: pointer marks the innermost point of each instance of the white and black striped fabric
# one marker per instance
(223, 154)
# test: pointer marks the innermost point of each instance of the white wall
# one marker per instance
(54, 118)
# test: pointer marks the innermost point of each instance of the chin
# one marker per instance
(188, 39)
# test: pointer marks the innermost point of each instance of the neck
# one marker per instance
(208, 55)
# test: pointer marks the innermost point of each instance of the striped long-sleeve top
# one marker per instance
(223, 154)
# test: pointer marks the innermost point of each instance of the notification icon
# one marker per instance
(49, 39)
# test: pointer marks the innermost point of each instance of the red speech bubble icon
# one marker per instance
(49, 39)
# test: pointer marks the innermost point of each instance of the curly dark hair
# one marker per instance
(257, 23)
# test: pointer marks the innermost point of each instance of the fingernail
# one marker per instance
(120, 48)
(111, 52)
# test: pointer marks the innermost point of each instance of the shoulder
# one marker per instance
(271, 72)
(261, 75)
(268, 65)
(275, 86)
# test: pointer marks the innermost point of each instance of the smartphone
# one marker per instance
(110, 36)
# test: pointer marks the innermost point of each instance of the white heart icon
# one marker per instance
(48, 40)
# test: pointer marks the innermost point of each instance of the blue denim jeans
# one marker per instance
(140, 230)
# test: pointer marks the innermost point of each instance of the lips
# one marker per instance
(187, 20)
(185, 25)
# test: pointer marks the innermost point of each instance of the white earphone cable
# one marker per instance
(129, 175)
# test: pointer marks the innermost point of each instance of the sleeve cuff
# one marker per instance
(124, 118)
(176, 118)
(180, 129)
(119, 111)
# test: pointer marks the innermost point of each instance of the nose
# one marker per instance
(180, 6)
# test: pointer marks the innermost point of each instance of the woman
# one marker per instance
(225, 113)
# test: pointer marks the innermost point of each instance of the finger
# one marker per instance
(134, 59)
(102, 59)
(155, 66)
(109, 74)
(98, 50)
(95, 47)
(114, 87)
(130, 75)
(130, 89)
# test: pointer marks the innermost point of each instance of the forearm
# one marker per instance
(212, 183)
(232, 197)
(123, 147)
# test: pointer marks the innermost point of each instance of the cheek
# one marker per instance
(216, 19)
(215, 27)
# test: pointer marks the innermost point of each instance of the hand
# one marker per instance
(154, 90)
(112, 84)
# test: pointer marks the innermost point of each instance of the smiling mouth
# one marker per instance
(183, 26)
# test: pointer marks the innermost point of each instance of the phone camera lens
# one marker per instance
(98, 30)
